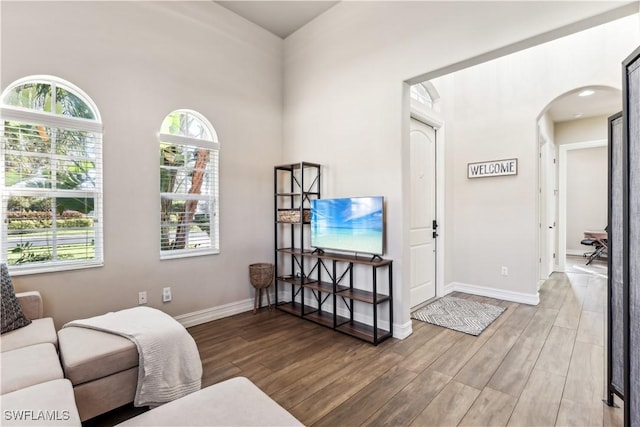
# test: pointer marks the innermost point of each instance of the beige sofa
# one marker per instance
(32, 387)
(99, 373)
(41, 329)
(101, 368)
(235, 402)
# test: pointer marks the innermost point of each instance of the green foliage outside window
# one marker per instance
(184, 171)
(50, 159)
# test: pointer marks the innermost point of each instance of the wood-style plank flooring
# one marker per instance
(534, 366)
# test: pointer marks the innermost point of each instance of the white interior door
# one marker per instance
(552, 218)
(547, 208)
(423, 212)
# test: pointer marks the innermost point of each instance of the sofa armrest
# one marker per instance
(31, 303)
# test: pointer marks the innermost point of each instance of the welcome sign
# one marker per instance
(492, 168)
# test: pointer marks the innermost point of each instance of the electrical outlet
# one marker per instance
(142, 297)
(504, 271)
(166, 294)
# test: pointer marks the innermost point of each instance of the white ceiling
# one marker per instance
(282, 18)
(605, 101)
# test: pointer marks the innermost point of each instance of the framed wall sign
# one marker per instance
(492, 168)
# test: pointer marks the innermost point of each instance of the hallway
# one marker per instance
(578, 332)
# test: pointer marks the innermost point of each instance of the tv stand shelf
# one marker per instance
(362, 331)
(360, 259)
(320, 286)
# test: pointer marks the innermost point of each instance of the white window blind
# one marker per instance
(51, 177)
(188, 186)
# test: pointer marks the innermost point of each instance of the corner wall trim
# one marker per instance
(519, 297)
(402, 331)
(214, 313)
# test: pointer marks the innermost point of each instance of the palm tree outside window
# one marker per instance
(50, 176)
(188, 186)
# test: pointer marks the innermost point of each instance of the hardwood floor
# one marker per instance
(534, 366)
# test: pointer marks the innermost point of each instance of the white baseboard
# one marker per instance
(402, 331)
(519, 297)
(577, 252)
(214, 313)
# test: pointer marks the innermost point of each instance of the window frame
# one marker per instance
(420, 94)
(12, 113)
(214, 198)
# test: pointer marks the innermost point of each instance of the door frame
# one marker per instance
(545, 172)
(430, 119)
(563, 151)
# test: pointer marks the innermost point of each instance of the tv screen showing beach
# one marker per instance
(349, 224)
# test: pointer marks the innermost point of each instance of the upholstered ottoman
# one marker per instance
(102, 367)
(235, 402)
(46, 404)
(27, 366)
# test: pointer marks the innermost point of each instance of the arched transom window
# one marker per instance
(420, 93)
(188, 185)
(51, 176)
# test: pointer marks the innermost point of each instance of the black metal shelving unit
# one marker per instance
(295, 185)
(319, 280)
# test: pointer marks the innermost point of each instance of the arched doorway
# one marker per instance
(575, 120)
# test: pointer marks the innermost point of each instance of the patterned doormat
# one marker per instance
(470, 317)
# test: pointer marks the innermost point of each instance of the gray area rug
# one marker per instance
(470, 317)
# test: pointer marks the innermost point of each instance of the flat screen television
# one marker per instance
(354, 224)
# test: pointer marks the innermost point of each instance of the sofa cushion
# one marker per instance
(31, 302)
(87, 354)
(235, 402)
(11, 316)
(38, 332)
(29, 366)
(46, 404)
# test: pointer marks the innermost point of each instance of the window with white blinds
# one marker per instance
(51, 177)
(188, 186)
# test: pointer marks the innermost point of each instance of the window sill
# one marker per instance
(24, 271)
(181, 254)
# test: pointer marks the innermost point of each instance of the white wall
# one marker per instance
(586, 195)
(139, 61)
(345, 108)
(586, 182)
(546, 128)
(491, 113)
(583, 130)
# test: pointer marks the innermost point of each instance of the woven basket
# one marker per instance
(261, 274)
(293, 215)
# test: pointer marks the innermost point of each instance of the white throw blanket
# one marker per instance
(169, 364)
